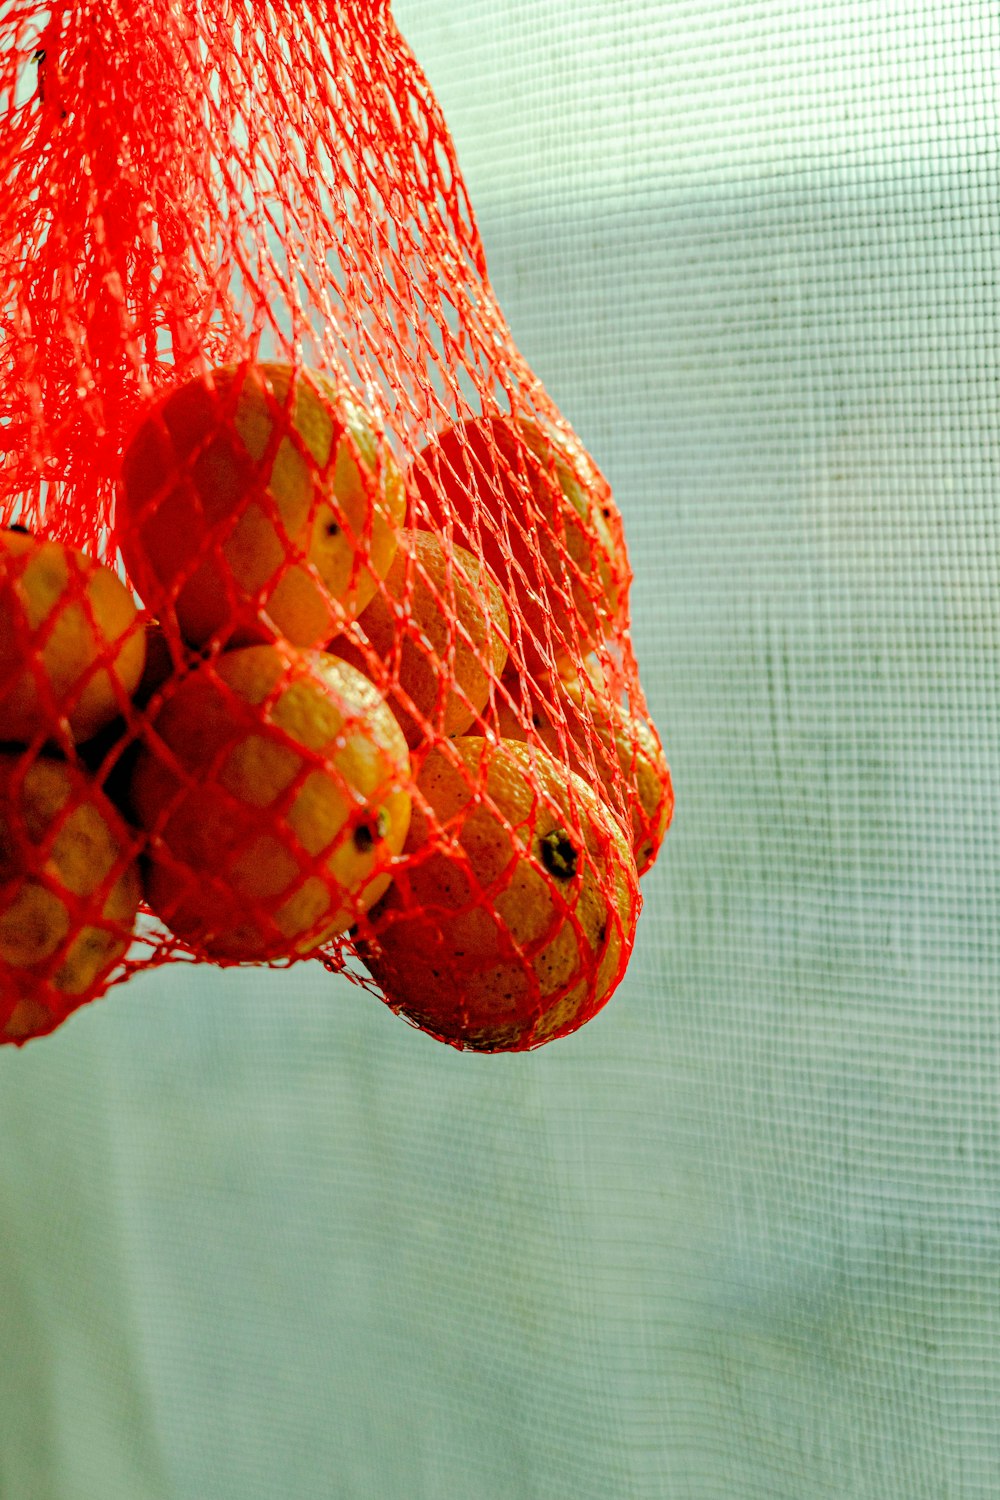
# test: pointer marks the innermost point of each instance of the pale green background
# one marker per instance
(737, 1239)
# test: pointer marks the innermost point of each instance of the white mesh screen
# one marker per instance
(738, 1238)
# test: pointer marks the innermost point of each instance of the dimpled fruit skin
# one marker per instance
(69, 893)
(257, 501)
(623, 747)
(478, 941)
(438, 662)
(540, 513)
(259, 772)
(70, 644)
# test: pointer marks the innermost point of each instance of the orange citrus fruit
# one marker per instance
(274, 788)
(71, 645)
(602, 736)
(69, 893)
(110, 755)
(433, 637)
(256, 501)
(166, 657)
(513, 911)
(534, 506)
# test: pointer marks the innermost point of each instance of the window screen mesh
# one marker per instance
(739, 1236)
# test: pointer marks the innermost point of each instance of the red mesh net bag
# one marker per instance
(313, 609)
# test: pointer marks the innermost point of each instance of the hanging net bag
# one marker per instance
(314, 632)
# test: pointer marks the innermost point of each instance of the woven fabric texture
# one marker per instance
(738, 1237)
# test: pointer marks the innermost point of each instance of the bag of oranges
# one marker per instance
(314, 633)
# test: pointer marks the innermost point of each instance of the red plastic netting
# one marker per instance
(363, 687)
